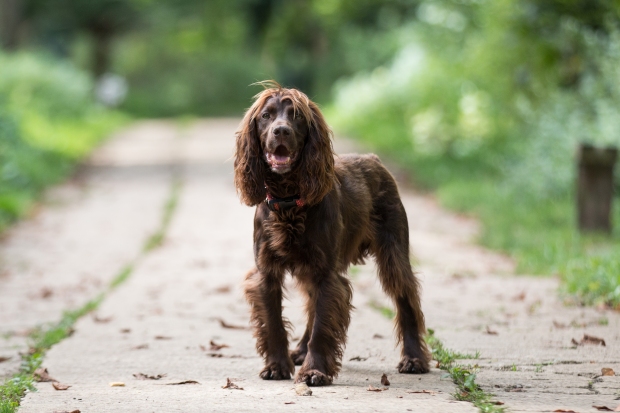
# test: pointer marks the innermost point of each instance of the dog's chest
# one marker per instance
(285, 232)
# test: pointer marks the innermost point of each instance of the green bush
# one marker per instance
(486, 104)
(48, 121)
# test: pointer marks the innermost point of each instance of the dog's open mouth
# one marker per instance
(281, 159)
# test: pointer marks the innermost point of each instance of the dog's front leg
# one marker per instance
(330, 302)
(264, 293)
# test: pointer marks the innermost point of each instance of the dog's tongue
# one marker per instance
(280, 158)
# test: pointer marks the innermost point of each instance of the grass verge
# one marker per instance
(43, 338)
(463, 376)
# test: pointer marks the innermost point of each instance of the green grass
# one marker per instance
(463, 376)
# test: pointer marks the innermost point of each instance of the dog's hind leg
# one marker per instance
(264, 294)
(391, 249)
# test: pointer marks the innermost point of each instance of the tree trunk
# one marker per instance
(595, 187)
(10, 19)
(101, 52)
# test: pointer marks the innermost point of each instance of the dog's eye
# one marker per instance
(299, 115)
(266, 115)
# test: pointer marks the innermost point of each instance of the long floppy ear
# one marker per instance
(249, 167)
(316, 177)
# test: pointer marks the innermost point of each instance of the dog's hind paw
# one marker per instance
(275, 371)
(313, 378)
(410, 365)
(298, 356)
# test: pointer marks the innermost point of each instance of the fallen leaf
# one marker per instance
(557, 324)
(591, 340)
(223, 290)
(41, 374)
(423, 391)
(302, 389)
(3, 359)
(66, 411)
(231, 385)
(384, 380)
(216, 347)
(98, 319)
(46, 292)
(140, 347)
(117, 384)
(125, 330)
(515, 388)
(565, 411)
(603, 408)
(289, 402)
(60, 386)
(224, 324)
(142, 376)
(519, 297)
(371, 388)
(163, 338)
(182, 382)
(215, 355)
(498, 403)
(606, 371)
(491, 332)
(379, 336)
(358, 358)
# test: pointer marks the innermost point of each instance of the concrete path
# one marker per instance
(181, 296)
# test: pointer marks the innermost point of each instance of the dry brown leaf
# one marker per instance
(223, 290)
(163, 338)
(125, 330)
(182, 382)
(519, 297)
(589, 340)
(358, 358)
(117, 384)
(98, 319)
(603, 408)
(371, 388)
(606, 371)
(491, 332)
(66, 411)
(217, 347)
(230, 385)
(3, 359)
(498, 403)
(379, 336)
(41, 374)
(302, 389)
(423, 391)
(60, 386)
(140, 347)
(224, 324)
(384, 380)
(142, 376)
(46, 292)
(289, 402)
(565, 411)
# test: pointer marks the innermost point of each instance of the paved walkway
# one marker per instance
(180, 297)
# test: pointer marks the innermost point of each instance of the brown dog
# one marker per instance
(315, 215)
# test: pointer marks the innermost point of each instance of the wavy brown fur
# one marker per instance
(352, 210)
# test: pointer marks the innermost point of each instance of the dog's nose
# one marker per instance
(282, 130)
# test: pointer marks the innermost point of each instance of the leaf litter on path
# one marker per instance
(384, 380)
(3, 359)
(230, 385)
(224, 324)
(589, 340)
(117, 384)
(182, 382)
(42, 375)
(142, 376)
(431, 392)
(376, 389)
(60, 386)
(217, 347)
(606, 371)
(302, 389)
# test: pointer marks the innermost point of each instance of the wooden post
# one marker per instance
(595, 187)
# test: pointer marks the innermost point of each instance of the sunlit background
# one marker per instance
(482, 101)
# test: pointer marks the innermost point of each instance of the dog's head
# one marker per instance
(283, 133)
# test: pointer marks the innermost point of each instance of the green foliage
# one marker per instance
(48, 121)
(485, 104)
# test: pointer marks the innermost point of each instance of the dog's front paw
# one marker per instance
(276, 371)
(298, 356)
(313, 378)
(411, 365)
